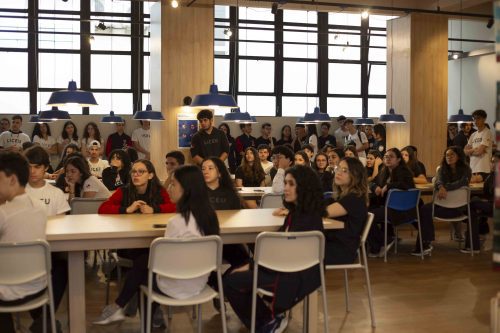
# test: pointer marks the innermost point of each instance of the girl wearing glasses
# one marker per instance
(144, 194)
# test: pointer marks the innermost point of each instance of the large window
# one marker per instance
(100, 44)
(288, 63)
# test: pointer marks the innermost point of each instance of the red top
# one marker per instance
(114, 204)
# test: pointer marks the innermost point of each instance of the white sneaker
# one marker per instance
(112, 313)
(384, 249)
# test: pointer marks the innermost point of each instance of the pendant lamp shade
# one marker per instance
(149, 114)
(214, 100)
(316, 117)
(364, 121)
(112, 119)
(236, 116)
(54, 114)
(392, 117)
(35, 119)
(460, 117)
(72, 95)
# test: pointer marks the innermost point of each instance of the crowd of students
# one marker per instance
(353, 166)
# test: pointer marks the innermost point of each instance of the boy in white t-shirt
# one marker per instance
(358, 138)
(13, 139)
(96, 164)
(479, 148)
(264, 151)
(141, 139)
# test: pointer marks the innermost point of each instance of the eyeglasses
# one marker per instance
(139, 172)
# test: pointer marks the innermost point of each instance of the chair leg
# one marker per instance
(396, 240)
(305, 315)
(44, 314)
(193, 315)
(470, 236)
(18, 321)
(148, 315)
(169, 311)
(141, 314)
(385, 242)
(199, 318)
(420, 240)
(369, 291)
(346, 291)
(325, 305)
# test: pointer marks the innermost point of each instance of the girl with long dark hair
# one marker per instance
(301, 158)
(286, 136)
(68, 135)
(232, 157)
(118, 173)
(250, 172)
(325, 177)
(373, 164)
(80, 182)
(90, 134)
(410, 157)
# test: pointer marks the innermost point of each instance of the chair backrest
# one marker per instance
(454, 199)
(185, 258)
(24, 262)
(85, 205)
(402, 199)
(366, 229)
(327, 195)
(271, 200)
(289, 251)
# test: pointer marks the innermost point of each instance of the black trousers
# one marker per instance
(238, 290)
(478, 208)
(6, 321)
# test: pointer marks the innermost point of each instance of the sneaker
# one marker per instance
(277, 325)
(158, 320)
(384, 250)
(468, 250)
(427, 251)
(110, 314)
(373, 254)
(458, 237)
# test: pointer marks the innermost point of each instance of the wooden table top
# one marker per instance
(475, 187)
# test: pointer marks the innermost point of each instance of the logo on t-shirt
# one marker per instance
(45, 201)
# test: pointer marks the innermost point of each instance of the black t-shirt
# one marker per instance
(223, 199)
(417, 169)
(248, 182)
(329, 139)
(282, 142)
(326, 179)
(118, 141)
(261, 141)
(207, 145)
(379, 146)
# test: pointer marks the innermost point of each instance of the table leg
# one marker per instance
(312, 321)
(76, 291)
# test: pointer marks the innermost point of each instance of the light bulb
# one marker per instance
(91, 39)
(365, 14)
(174, 3)
(228, 32)
(455, 56)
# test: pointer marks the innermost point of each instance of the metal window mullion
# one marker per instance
(365, 43)
(32, 56)
(278, 62)
(85, 64)
(323, 60)
(233, 54)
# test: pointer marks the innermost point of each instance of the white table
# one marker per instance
(78, 233)
(254, 192)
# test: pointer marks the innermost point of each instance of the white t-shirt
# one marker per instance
(51, 197)
(313, 141)
(22, 219)
(44, 143)
(143, 137)
(92, 184)
(182, 289)
(481, 163)
(341, 137)
(96, 168)
(9, 139)
(359, 143)
(60, 140)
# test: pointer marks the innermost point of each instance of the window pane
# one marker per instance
(110, 6)
(145, 101)
(113, 43)
(53, 40)
(378, 40)
(300, 51)
(377, 54)
(14, 102)
(258, 105)
(255, 48)
(261, 14)
(14, 39)
(18, 4)
(222, 74)
(221, 47)
(297, 106)
(222, 12)
(346, 49)
(71, 108)
(344, 19)
(121, 104)
(344, 79)
(376, 107)
(377, 84)
(260, 75)
(300, 16)
(14, 69)
(349, 107)
(105, 66)
(146, 72)
(53, 75)
(59, 5)
(300, 77)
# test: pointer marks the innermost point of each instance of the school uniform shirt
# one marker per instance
(117, 141)
(341, 137)
(52, 198)
(10, 139)
(326, 140)
(182, 289)
(22, 219)
(143, 137)
(92, 184)
(223, 199)
(206, 145)
(97, 168)
(477, 139)
(359, 138)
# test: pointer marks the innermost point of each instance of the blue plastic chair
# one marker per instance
(402, 200)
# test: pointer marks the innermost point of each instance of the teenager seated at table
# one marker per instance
(250, 173)
(410, 157)
(173, 160)
(373, 164)
(80, 182)
(118, 172)
(68, 150)
(196, 218)
(394, 175)
(334, 157)
(325, 177)
(303, 201)
(301, 158)
(144, 194)
(283, 158)
(22, 219)
(96, 163)
(350, 207)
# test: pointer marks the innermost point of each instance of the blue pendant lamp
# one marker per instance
(149, 114)
(236, 116)
(392, 117)
(112, 119)
(54, 114)
(316, 117)
(460, 117)
(214, 100)
(72, 95)
(35, 119)
(363, 121)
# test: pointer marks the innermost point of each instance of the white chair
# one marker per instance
(361, 264)
(25, 262)
(184, 259)
(272, 251)
(455, 199)
(85, 205)
(271, 200)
